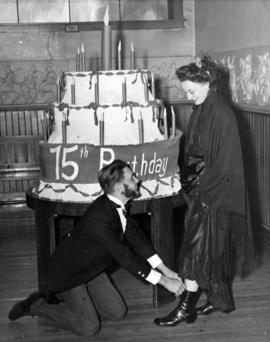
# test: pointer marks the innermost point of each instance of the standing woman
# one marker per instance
(218, 235)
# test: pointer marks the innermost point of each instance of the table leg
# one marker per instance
(45, 241)
(162, 230)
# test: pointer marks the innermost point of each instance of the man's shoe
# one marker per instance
(206, 309)
(22, 308)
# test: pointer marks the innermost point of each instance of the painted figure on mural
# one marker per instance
(245, 81)
(263, 79)
(30, 84)
(218, 238)
(9, 88)
(48, 84)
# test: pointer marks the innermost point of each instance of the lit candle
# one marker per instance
(119, 56)
(58, 90)
(106, 48)
(173, 122)
(153, 85)
(97, 90)
(165, 123)
(145, 89)
(124, 90)
(73, 98)
(101, 130)
(82, 58)
(131, 56)
(64, 129)
(140, 128)
(78, 60)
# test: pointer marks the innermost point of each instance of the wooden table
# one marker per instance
(48, 213)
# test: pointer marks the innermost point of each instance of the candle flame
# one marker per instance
(82, 49)
(106, 16)
(131, 46)
(119, 45)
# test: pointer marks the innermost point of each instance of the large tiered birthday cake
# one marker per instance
(103, 116)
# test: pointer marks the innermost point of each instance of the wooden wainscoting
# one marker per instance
(254, 125)
(20, 132)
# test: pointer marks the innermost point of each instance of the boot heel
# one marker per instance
(192, 318)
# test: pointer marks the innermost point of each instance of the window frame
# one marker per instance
(175, 20)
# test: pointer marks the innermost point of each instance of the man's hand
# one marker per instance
(167, 271)
(175, 286)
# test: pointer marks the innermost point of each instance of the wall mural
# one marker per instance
(249, 75)
(32, 86)
(249, 79)
(38, 84)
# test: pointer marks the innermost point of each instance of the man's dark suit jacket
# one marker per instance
(95, 241)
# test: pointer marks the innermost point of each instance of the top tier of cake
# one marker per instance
(108, 88)
(107, 108)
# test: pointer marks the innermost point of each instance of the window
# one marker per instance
(88, 14)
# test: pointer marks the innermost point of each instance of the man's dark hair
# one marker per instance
(111, 174)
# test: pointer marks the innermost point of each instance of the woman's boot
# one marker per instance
(184, 312)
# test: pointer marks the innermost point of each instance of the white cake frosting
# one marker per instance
(120, 100)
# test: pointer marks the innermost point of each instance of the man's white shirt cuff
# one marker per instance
(154, 261)
(153, 277)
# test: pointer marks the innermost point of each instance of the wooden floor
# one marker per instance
(18, 277)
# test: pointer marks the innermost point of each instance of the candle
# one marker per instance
(165, 123)
(58, 90)
(145, 90)
(64, 129)
(78, 60)
(44, 128)
(173, 122)
(48, 124)
(82, 58)
(131, 56)
(73, 98)
(153, 85)
(106, 47)
(119, 56)
(140, 128)
(101, 130)
(97, 91)
(124, 90)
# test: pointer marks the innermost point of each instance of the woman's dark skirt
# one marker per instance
(213, 249)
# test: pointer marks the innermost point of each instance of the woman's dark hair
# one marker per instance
(217, 75)
(111, 174)
(192, 72)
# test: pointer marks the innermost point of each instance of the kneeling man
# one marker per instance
(77, 275)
